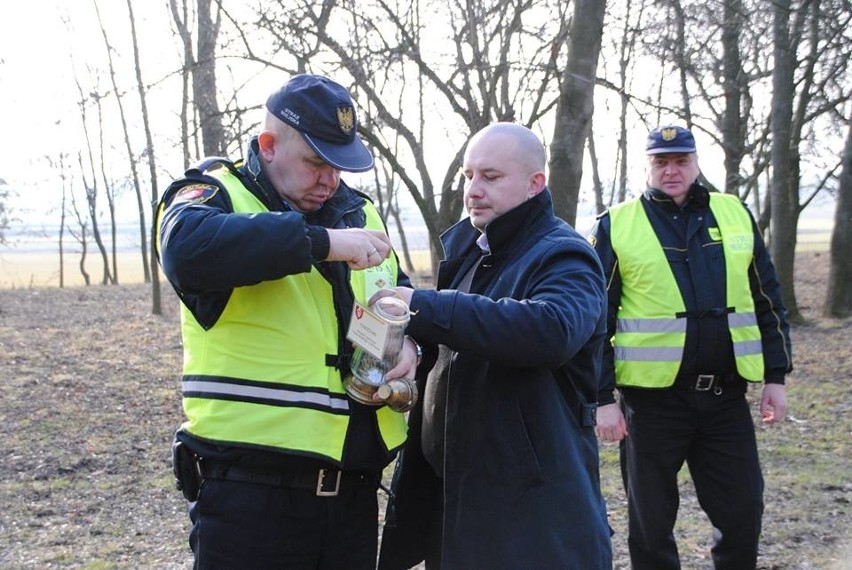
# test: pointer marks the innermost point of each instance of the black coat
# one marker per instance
(521, 486)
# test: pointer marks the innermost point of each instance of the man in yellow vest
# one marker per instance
(695, 316)
(268, 256)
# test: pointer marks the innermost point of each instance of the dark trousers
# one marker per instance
(714, 434)
(248, 525)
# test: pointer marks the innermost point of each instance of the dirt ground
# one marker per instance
(89, 382)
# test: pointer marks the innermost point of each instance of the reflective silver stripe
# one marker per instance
(651, 325)
(742, 320)
(648, 353)
(292, 396)
(748, 347)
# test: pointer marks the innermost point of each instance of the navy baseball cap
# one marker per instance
(322, 111)
(670, 139)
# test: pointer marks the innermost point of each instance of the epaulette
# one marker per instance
(208, 163)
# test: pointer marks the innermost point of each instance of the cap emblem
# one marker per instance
(668, 134)
(346, 118)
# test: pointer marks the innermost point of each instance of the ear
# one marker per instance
(266, 144)
(537, 183)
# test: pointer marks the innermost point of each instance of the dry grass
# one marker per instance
(90, 398)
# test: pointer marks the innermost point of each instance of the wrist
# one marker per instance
(320, 242)
(418, 350)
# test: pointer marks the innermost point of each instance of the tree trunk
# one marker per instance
(575, 107)
(203, 71)
(734, 86)
(782, 245)
(91, 191)
(151, 267)
(180, 17)
(82, 238)
(131, 157)
(204, 90)
(597, 185)
(62, 216)
(839, 297)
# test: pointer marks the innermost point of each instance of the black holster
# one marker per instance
(185, 466)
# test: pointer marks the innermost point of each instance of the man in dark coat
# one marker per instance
(501, 468)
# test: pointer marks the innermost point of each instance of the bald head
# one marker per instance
(528, 149)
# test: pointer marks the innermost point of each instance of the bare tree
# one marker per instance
(131, 156)
(575, 107)
(627, 48)
(62, 169)
(91, 190)
(493, 61)
(109, 192)
(81, 237)
(62, 221)
(202, 64)
(179, 16)
(784, 173)
(5, 195)
(839, 297)
(597, 185)
(724, 75)
(152, 271)
(735, 87)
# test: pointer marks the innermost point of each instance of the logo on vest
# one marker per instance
(195, 193)
(738, 242)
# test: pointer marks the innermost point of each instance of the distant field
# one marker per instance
(36, 270)
(19, 270)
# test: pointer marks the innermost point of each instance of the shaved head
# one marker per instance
(529, 151)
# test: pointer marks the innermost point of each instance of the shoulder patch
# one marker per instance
(195, 193)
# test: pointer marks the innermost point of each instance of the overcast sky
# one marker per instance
(38, 93)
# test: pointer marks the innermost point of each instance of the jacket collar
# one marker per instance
(503, 231)
(698, 197)
(253, 167)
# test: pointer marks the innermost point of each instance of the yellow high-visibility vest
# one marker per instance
(259, 376)
(650, 337)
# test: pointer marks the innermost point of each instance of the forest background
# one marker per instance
(107, 102)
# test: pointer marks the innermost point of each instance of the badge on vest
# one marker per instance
(195, 193)
(715, 234)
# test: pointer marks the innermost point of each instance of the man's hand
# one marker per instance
(358, 247)
(403, 293)
(611, 425)
(773, 403)
(406, 365)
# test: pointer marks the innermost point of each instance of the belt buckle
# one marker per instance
(321, 492)
(704, 382)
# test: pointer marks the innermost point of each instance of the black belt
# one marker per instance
(324, 482)
(708, 382)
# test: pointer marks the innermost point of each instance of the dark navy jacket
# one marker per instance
(520, 485)
(698, 265)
